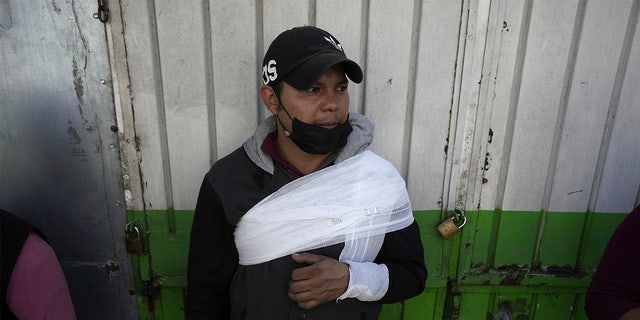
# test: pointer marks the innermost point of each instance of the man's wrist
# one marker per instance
(368, 281)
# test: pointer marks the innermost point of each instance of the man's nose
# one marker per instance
(329, 101)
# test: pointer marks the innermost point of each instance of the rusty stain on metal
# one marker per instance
(564, 272)
(513, 279)
(515, 274)
(505, 26)
(487, 162)
(478, 265)
(112, 267)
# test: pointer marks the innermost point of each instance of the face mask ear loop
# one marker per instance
(286, 132)
(285, 109)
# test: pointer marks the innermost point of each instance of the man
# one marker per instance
(302, 221)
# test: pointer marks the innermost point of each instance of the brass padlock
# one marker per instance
(133, 241)
(448, 228)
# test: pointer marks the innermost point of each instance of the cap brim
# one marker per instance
(306, 75)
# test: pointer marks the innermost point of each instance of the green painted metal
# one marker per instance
(391, 311)
(428, 305)
(535, 264)
(561, 236)
(516, 239)
(518, 259)
(526, 303)
(436, 250)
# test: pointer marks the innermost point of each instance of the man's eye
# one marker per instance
(313, 90)
(342, 88)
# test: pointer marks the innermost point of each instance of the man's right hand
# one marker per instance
(323, 279)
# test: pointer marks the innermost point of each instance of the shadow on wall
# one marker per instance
(51, 174)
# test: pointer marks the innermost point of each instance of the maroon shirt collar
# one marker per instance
(269, 147)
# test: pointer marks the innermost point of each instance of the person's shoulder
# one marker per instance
(635, 212)
(230, 165)
(10, 218)
(231, 160)
(630, 224)
(13, 224)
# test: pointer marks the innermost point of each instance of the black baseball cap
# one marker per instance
(300, 56)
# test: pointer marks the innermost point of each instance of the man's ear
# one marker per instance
(269, 98)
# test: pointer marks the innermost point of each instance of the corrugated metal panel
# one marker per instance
(193, 73)
(524, 113)
(546, 136)
(540, 84)
(558, 77)
(432, 114)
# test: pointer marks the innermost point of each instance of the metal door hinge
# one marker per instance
(103, 11)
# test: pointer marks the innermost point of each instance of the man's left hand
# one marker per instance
(323, 280)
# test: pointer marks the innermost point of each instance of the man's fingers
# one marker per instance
(308, 271)
(307, 299)
(298, 286)
(307, 258)
(323, 279)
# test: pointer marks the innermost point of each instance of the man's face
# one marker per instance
(325, 104)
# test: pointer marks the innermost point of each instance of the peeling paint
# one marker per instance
(83, 39)
(78, 81)
(74, 137)
(487, 161)
(513, 279)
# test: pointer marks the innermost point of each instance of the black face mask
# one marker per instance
(315, 139)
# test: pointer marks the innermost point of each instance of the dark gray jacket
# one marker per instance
(218, 288)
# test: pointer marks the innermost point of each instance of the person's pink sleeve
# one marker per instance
(38, 289)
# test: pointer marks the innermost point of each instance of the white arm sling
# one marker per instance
(356, 202)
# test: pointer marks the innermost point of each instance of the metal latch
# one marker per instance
(103, 11)
(133, 241)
